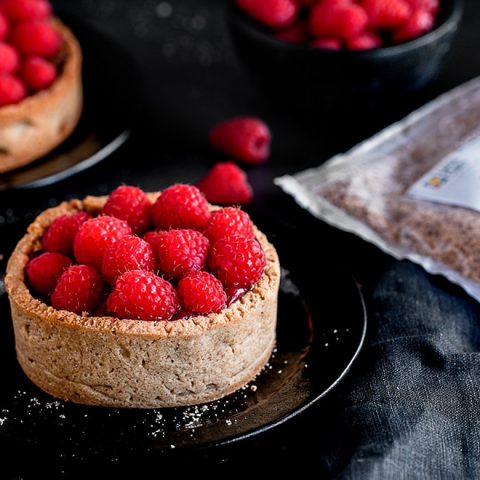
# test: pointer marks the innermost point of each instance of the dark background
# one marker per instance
(188, 79)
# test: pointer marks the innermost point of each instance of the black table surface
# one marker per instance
(188, 79)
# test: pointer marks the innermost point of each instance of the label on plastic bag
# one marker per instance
(455, 180)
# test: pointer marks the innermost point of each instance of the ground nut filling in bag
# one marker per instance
(366, 191)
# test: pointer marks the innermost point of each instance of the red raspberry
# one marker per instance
(181, 206)
(9, 59)
(128, 253)
(18, 10)
(307, 3)
(12, 90)
(151, 238)
(244, 138)
(226, 184)
(143, 296)
(38, 73)
(234, 293)
(4, 27)
(95, 236)
(101, 311)
(179, 251)
(364, 41)
(335, 3)
(201, 293)
(59, 236)
(327, 43)
(78, 290)
(296, 33)
(419, 23)
(337, 20)
(237, 261)
(132, 205)
(387, 13)
(432, 6)
(44, 271)
(37, 37)
(227, 222)
(182, 313)
(274, 13)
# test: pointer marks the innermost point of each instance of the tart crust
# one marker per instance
(132, 363)
(40, 122)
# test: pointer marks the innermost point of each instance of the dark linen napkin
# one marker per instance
(410, 407)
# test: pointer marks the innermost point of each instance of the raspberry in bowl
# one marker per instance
(179, 312)
(41, 94)
(332, 52)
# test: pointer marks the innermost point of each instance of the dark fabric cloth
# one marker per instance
(410, 408)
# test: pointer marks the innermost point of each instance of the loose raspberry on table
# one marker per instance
(181, 206)
(44, 271)
(37, 37)
(364, 41)
(274, 13)
(4, 27)
(128, 253)
(327, 43)
(244, 138)
(12, 90)
(38, 73)
(226, 184)
(201, 293)
(143, 296)
(132, 205)
(61, 233)
(95, 236)
(387, 13)
(179, 251)
(9, 58)
(18, 10)
(237, 261)
(78, 290)
(337, 20)
(227, 222)
(419, 23)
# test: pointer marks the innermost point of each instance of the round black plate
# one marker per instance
(321, 328)
(104, 125)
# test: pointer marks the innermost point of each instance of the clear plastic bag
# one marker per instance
(365, 190)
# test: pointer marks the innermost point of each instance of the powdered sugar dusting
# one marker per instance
(78, 432)
(163, 9)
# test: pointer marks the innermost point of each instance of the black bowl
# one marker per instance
(306, 76)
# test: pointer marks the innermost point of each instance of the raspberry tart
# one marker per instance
(40, 82)
(143, 300)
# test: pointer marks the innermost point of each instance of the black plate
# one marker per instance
(105, 122)
(321, 328)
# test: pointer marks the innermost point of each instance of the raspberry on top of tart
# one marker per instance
(143, 300)
(185, 260)
(40, 81)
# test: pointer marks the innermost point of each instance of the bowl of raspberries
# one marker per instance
(329, 49)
